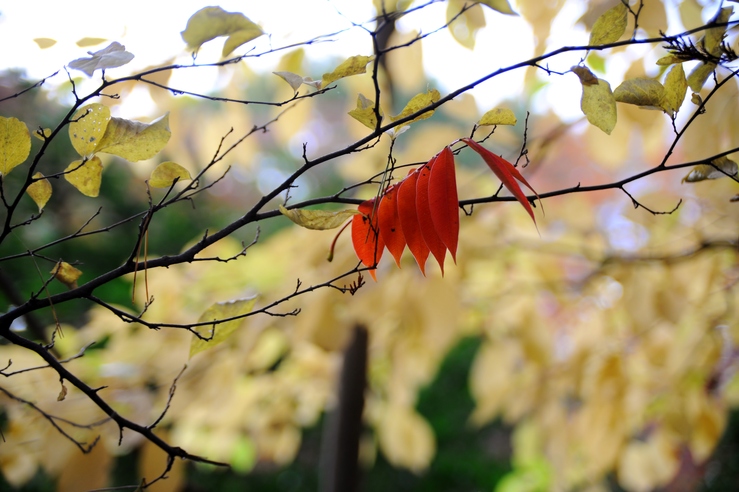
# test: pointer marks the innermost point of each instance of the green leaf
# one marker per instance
(319, 220)
(88, 127)
(675, 87)
(217, 333)
(498, 116)
(212, 22)
(501, 6)
(353, 65)
(15, 144)
(699, 75)
(133, 140)
(640, 91)
(726, 167)
(610, 26)
(365, 112)
(165, 174)
(597, 102)
(417, 103)
(86, 176)
(39, 190)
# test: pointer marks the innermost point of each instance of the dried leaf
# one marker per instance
(365, 112)
(44, 43)
(211, 22)
(389, 223)
(726, 167)
(112, 56)
(640, 92)
(62, 393)
(498, 116)
(39, 190)
(368, 244)
(134, 140)
(501, 6)
(293, 79)
(85, 177)
(66, 274)
(319, 220)
(15, 144)
(417, 103)
(597, 101)
(464, 27)
(699, 75)
(88, 127)
(675, 87)
(218, 333)
(444, 201)
(409, 220)
(610, 26)
(165, 174)
(423, 210)
(353, 65)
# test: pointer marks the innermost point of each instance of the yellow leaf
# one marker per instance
(365, 112)
(293, 79)
(641, 92)
(706, 171)
(406, 438)
(42, 133)
(501, 6)
(699, 75)
(15, 143)
(675, 87)
(44, 43)
(610, 26)
(715, 36)
(133, 140)
(217, 333)
(66, 274)
(85, 42)
(670, 59)
(597, 101)
(646, 465)
(498, 116)
(417, 103)
(88, 127)
(164, 175)
(85, 177)
(39, 190)
(319, 220)
(354, 65)
(464, 27)
(390, 6)
(212, 22)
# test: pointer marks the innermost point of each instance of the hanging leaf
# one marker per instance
(389, 223)
(39, 190)
(610, 26)
(15, 144)
(699, 75)
(165, 174)
(85, 177)
(112, 56)
(417, 103)
(319, 220)
(409, 220)
(726, 167)
(675, 88)
(464, 27)
(133, 140)
(293, 79)
(354, 65)
(211, 22)
(501, 6)
(423, 210)
(506, 173)
(88, 127)
(498, 116)
(365, 112)
(368, 245)
(640, 92)
(715, 36)
(66, 274)
(443, 200)
(597, 101)
(218, 333)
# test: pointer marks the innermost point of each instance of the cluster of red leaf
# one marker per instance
(422, 211)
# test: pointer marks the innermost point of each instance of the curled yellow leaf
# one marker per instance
(365, 112)
(417, 103)
(597, 102)
(66, 274)
(319, 220)
(353, 65)
(165, 174)
(610, 26)
(498, 116)
(88, 127)
(293, 79)
(134, 140)
(86, 176)
(15, 143)
(211, 22)
(219, 332)
(721, 168)
(39, 190)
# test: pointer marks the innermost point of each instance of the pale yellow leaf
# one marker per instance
(365, 112)
(646, 465)
(88, 127)
(640, 92)
(406, 438)
(39, 190)
(464, 27)
(501, 6)
(597, 101)
(219, 332)
(726, 167)
(353, 65)
(212, 22)
(610, 26)
(670, 59)
(112, 56)
(699, 75)
(165, 174)
(42, 133)
(675, 87)
(417, 103)
(85, 177)
(498, 116)
(293, 79)
(44, 43)
(714, 36)
(134, 140)
(66, 274)
(86, 41)
(319, 220)
(390, 6)
(15, 143)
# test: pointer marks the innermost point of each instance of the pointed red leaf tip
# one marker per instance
(506, 172)
(423, 210)
(443, 200)
(389, 223)
(406, 204)
(368, 245)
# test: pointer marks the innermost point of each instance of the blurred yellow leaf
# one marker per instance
(644, 466)
(640, 92)
(85, 177)
(597, 101)
(15, 143)
(390, 6)
(66, 274)
(610, 26)
(353, 65)
(39, 190)
(365, 112)
(501, 6)
(319, 220)
(498, 116)
(212, 22)
(293, 79)
(112, 56)
(85, 42)
(88, 127)
(714, 37)
(675, 87)
(706, 171)
(669, 60)
(44, 43)
(699, 75)
(406, 438)
(464, 27)
(133, 140)
(221, 331)
(164, 175)
(417, 103)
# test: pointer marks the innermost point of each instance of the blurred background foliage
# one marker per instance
(595, 356)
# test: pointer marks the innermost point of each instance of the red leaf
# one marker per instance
(367, 244)
(409, 220)
(423, 209)
(506, 172)
(443, 200)
(389, 223)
